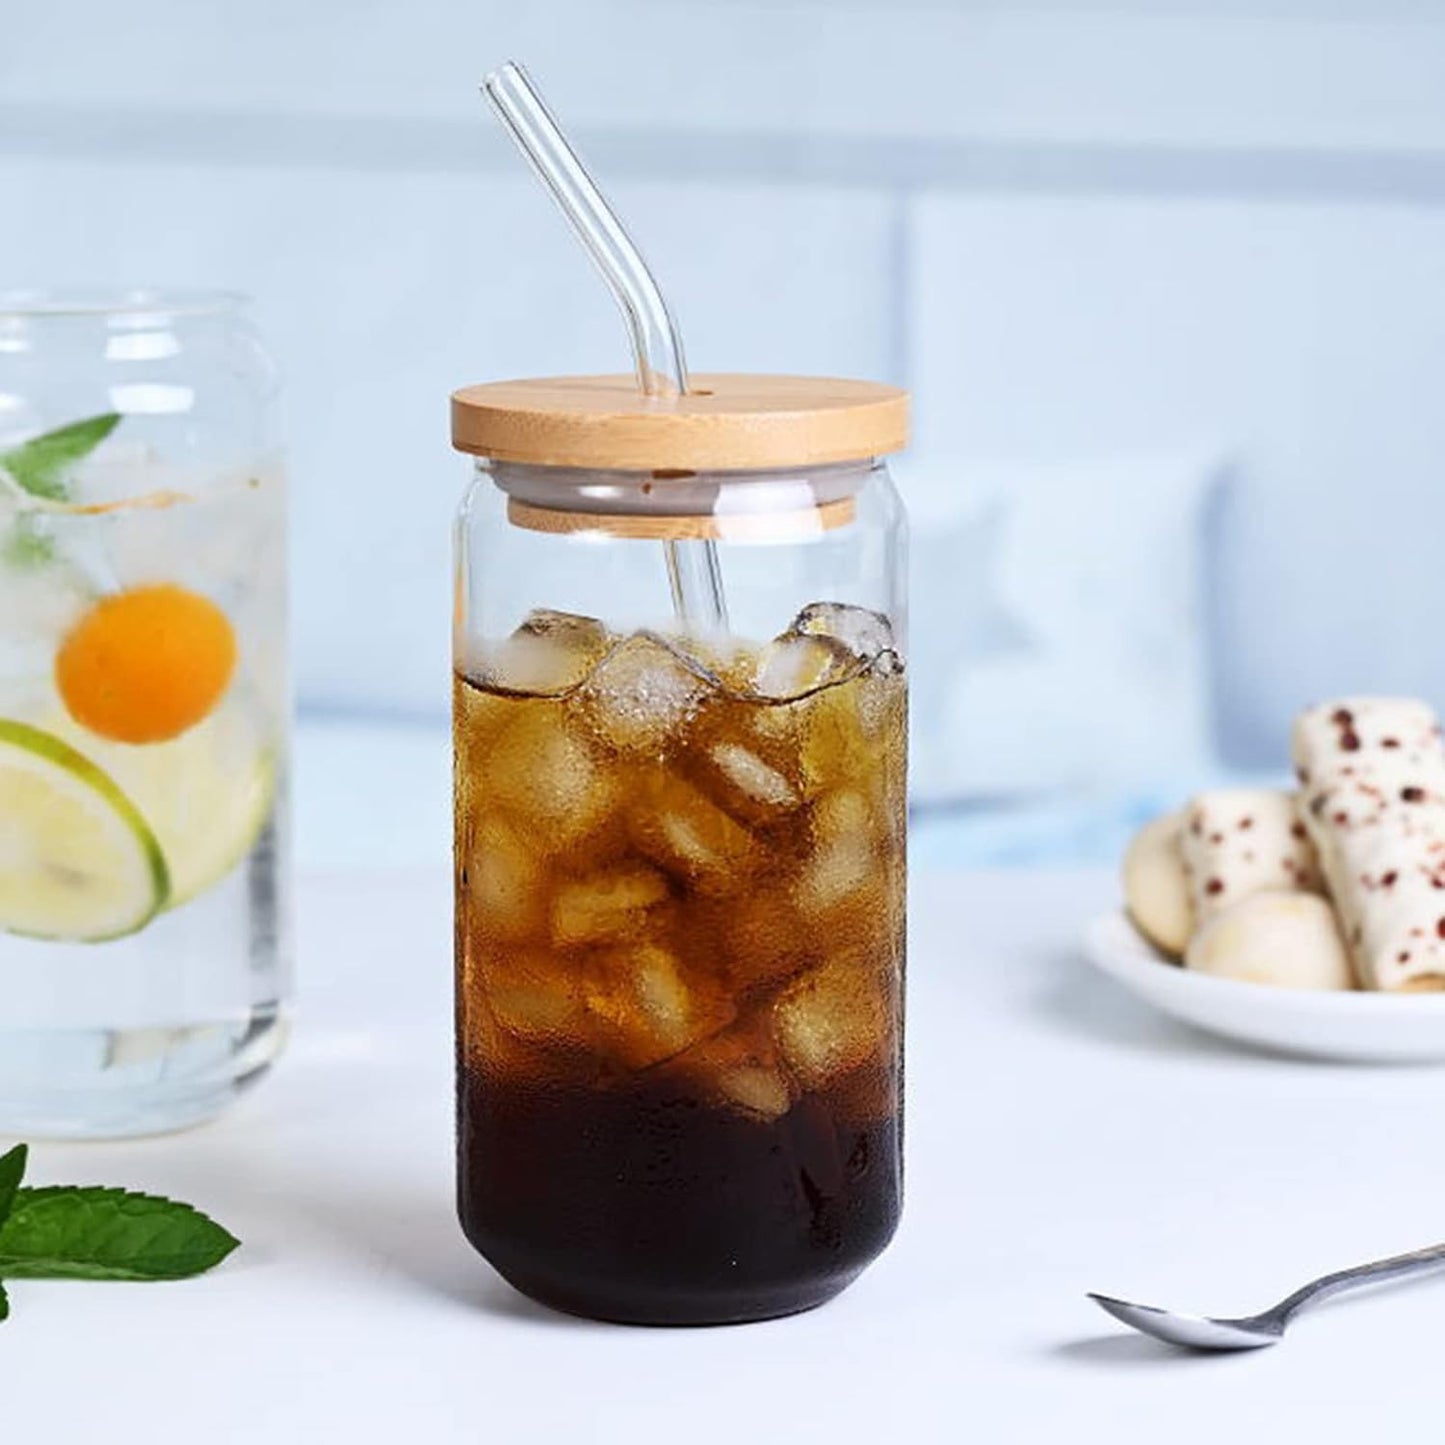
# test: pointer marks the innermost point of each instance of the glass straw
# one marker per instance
(693, 573)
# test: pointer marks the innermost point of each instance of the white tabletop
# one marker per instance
(1060, 1138)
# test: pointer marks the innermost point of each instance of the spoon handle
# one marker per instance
(1398, 1266)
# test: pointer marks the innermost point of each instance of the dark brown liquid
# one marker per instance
(645, 1206)
(679, 970)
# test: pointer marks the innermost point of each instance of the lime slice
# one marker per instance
(206, 794)
(77, 860)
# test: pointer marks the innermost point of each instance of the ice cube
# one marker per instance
(123, 468)
(45, 594)
(842, 816)
(717, 656)
(685, 832)
(793, 665)
(608, 906)
(537, 997)
(501, 882)
(499, 1051)
(834, 749)
(220, 533)
(738, 1067)
(547, 655)
(569, 629)
(646, 1010)
(542, 775)
(755, 1088)
(865, 634)
(839, 870)
(832, 1019)
(747, 785)
(857, 839)
(854, 886)
(643, 692)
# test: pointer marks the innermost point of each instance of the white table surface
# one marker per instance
(1060, 1138)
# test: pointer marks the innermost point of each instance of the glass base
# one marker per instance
(675, 1307)
(117, 1083)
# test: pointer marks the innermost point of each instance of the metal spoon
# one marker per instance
(1252, 1332)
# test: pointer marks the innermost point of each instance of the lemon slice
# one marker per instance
(77, 860)
(206, 794)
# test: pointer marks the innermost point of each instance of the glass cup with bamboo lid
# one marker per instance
(680, 738)
(680, 842)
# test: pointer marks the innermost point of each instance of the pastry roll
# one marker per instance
(1238, 842)
(1156, 891)
(1372, 774)
(1287, 940)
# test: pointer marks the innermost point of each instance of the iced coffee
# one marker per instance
(680, 937)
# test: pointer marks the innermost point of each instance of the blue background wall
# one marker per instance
(1210, 233)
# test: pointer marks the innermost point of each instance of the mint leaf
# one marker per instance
(4, 1304)
(40, 465)
(64, 1232)
(12, 1171)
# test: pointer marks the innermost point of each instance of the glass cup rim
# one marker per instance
(122, 303)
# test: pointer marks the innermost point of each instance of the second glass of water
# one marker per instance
(143, 711)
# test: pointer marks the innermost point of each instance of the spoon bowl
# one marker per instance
(1192, 1332)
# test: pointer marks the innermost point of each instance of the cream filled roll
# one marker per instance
(1372, 779)
(1236, 842)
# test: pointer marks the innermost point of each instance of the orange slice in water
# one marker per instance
(145, 665)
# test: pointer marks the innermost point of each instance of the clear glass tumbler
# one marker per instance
(144, 700)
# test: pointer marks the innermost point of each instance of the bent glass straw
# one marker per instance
(694, 575)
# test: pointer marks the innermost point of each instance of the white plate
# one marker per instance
(1365, 1027)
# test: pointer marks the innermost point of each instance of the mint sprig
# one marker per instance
(40, 466)
(96, 1233)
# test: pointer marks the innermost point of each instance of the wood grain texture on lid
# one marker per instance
(728, 421)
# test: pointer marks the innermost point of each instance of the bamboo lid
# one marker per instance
(728, 422)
